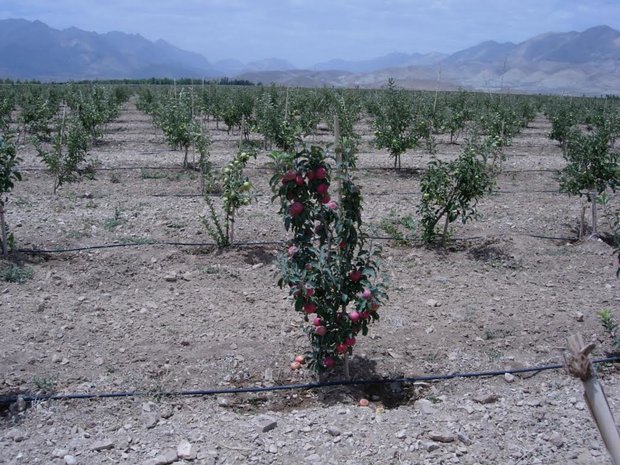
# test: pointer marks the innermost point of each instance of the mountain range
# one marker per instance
(585, 62)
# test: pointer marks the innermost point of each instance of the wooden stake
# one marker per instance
(579, 365)
(3, 231)
(582, 223)
(593, 197)
(338, 150)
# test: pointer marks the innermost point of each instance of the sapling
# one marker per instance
(68, 150)
(395, 124)
(451, 190)
(330, 271)
(236, 192)
(9, 173)
(591, 168)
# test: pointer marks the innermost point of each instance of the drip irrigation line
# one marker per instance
(370, 194)
(145, 243)
(6, 400)
(260, 243)
(259, 168)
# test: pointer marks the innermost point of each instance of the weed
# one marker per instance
(152, 174)
(15, 273)
(610, 325)
(112, 223)
(401, 228)
(500, 333)
(494, 355)
(45, 384)
(136, 240)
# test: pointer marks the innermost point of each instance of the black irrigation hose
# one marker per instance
(259, 243)
(6, 400)
(376, 194)
(372, 168)
(145, 243)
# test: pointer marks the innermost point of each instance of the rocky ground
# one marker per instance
(157, 318)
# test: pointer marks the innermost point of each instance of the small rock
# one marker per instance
(168, 457)
(402, 434)
(106, 444)
(464, 439)
(433, 303)
(151, 420)
(579, 317)
(313, 458)
(430, 446)
(425, 406)
(60, 453)
(186, 451)
(266, 423)
(441, 437)
(21, 404)
(70, 460)
(556, 439)
(333, 431)
(170, 278)
(486, 398)
(166, 411)
(509, 377)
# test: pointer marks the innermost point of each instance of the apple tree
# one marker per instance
(331, 271)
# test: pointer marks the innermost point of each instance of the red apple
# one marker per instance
(296, 209)
(355, 275)
(367, 294)
(310, 308)
(322, 188)
(341, 348)
(328, 362)
(299, 180)
(295, 366)
(354, 317)
(320, 172)
(320, 331)
(300, 359)
(317, 321)
(350, 341)
(290, 175)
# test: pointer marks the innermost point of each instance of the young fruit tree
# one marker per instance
(236, 192)
(451, 190)
(395, 125)
(9, 173)
(591, 168)
(68, 150)
(330, 271)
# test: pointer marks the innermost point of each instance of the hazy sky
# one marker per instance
(308, 31)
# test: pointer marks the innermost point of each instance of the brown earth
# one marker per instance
(161, 318)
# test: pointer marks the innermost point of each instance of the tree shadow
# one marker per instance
(383, 389)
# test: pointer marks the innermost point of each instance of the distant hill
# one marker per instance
(392, 60)
(585, 62)
(33, 50)
(575, 63)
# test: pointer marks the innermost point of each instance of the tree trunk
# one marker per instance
(593, 197)
(3, 232)
(445, 230)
